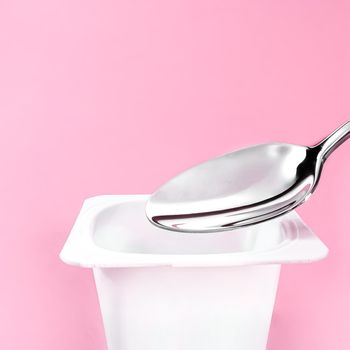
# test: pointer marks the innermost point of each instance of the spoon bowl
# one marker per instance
(241, 188)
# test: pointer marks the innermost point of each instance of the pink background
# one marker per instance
(108, 97)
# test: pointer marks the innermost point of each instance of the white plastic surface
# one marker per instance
(163, 290)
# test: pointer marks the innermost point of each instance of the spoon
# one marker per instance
(243, 187)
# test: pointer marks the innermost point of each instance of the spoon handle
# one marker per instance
(333, 141)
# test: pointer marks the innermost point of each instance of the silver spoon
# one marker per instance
(242, 188)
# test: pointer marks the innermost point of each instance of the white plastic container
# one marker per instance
(163, 290)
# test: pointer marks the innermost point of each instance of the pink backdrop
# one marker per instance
(108, 97)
